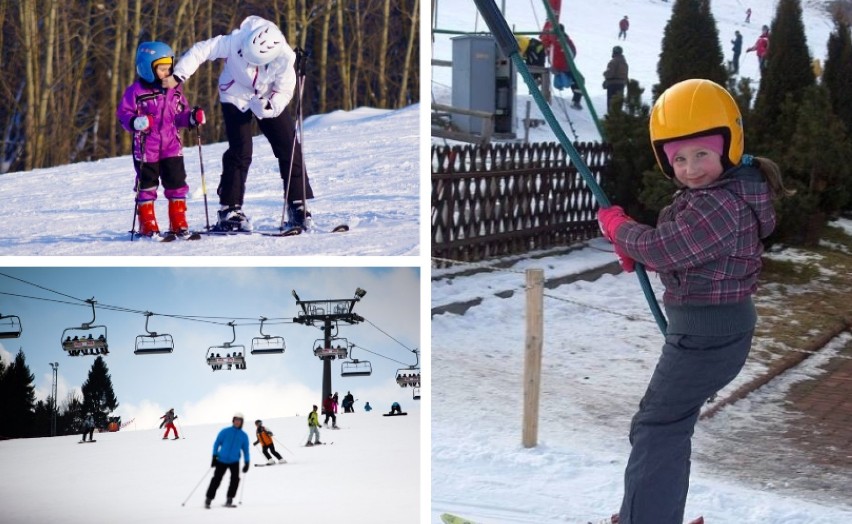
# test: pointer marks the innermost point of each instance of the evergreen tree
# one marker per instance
(18, 399)
(787, 71)
(70, 419)
(627, 130)
(819, 160)
(837, 74)
(42, 417)
(98, 396)
(691, 47)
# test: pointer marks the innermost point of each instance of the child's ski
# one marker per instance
(448, 518)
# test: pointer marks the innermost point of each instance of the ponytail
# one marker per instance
(771, 173)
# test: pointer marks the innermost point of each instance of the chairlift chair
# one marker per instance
(88, 339)
(410, 376)
(355, 367)
(336, 349)
(10, 326)
(234, 354)
(153, 343)
(267, 344)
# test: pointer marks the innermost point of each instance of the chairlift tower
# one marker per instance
(328, 313)
(54, 366)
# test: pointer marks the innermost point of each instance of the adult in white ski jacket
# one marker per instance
(257, 81)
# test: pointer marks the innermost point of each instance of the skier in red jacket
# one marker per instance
(761, 46)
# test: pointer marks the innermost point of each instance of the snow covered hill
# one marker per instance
(363, 166)
(371, 473)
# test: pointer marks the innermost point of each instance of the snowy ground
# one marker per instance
(363, 166)
(371, 473)
(596, 364)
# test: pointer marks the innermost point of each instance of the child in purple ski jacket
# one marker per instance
(153, 114)
(707, 249)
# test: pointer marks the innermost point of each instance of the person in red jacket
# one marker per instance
(761, 47)
(562, 76)
(623, 26)
(328, 410)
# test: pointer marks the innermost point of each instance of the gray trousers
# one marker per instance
(690, 370)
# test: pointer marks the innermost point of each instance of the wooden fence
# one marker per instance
(506, 199)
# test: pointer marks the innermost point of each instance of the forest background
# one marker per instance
(66, 65)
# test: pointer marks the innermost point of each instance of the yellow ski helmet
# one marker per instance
(692, 108)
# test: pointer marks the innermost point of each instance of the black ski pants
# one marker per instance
(332, 416)
(270, 449)
(280, 132)
(217, 479)
(690, 370)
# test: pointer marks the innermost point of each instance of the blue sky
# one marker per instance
(272, 385)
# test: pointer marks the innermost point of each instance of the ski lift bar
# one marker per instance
(153, 343)
(85, 343)
(234, 354)
(10, 326)
(267, 344)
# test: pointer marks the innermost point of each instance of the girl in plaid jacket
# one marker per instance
(707, 249)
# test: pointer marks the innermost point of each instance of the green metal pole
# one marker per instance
(506, 41)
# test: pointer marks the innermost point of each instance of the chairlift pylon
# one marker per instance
(153, 343)
(92, 339)
(355, 367)
(267, 344)
(410, 376)
(337, 348)
(234, 354)
(10, 326)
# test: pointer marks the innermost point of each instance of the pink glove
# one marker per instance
(610, 218)
(627, 263)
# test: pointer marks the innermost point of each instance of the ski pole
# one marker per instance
(203, 182)
(303, 64)
(506, 41)
(301, 57)
(138, 185)
(243, 487)
(206, 471)
(283, 446)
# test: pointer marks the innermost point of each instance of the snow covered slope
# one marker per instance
(363, 166)
(369, 474)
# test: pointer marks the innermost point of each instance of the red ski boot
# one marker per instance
(147, 221)
(177, 216)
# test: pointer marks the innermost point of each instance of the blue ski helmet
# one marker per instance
(149, 55)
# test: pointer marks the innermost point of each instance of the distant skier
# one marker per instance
(368, 407)
(169, 423)
(264, 436)
(349, 403)
(257, 82)
(615, 77)
(313, 425)
(623, 26)
(230, 442)
(153, 112)
(88, 427)
(334, 402)
(737, 48)
(396, 409)
(748, 16)
(761, 47)
(328, 411)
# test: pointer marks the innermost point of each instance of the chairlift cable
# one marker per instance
(390, 336)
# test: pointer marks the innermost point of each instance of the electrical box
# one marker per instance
(483, 80)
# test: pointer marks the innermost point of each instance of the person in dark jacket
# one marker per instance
(88, 427)
(230, 442)
(737, 49)
(615, 77)
(349, 403)
(706, 248)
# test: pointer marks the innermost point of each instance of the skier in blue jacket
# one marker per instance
(226, 456)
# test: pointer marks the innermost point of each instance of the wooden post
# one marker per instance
(532, 354)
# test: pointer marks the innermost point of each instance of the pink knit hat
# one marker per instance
(714, 143)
